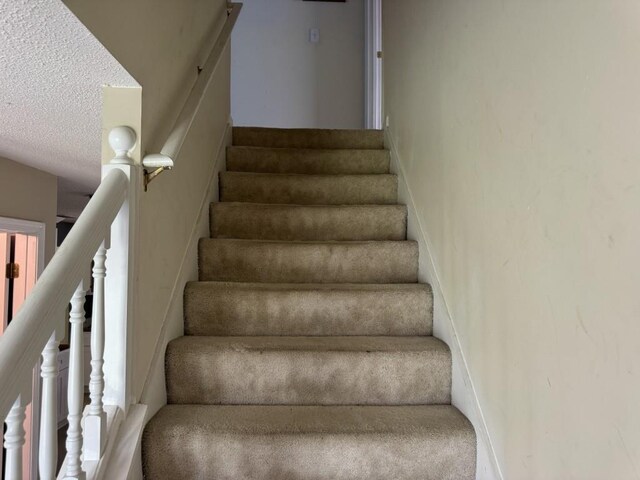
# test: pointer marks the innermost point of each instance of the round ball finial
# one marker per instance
(122, 140)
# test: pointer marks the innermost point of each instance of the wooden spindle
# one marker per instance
(95, 423)
(14, 439)
(75, 393)
(48, 453)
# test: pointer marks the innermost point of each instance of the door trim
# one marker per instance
(28, 227)
(38, 230)
(373, 63)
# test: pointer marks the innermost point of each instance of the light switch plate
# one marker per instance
(314, 35)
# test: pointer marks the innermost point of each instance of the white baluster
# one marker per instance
(95, 423)
(14, 439)
(48, 454)
(76, 385)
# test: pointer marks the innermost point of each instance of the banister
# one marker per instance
(173, 144)
(42, 312)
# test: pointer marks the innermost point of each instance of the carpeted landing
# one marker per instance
(308, 351)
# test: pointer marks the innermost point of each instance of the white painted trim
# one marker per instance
(125, 461)
(464, 395)
(39, 230)
(119, 292)
(150, 391)
(373, 64)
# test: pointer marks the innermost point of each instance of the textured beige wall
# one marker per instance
(30, 194)
(280, 79)
(517, 125)
(161, 43)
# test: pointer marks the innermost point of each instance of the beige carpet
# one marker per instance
(308, 351)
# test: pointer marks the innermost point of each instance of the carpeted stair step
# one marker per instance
(308, 189)
(220, 308)
(307, 138)
(263, 221)
(434, 442)
(308, 370)
(307, 262)
(307, 161)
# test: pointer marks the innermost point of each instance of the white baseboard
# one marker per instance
(154, 391)
(464, 396)
(126, 459)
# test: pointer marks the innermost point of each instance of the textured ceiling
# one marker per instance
(51, 73)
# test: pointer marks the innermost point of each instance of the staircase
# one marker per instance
(308, 351)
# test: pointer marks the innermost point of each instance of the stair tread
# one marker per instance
(368, 344)
(251, 241)
(433, 442)
(284, 188)
(308, 261)
(306, 419)
(335, 370)
(307, 222)
(312, 176)
(305, 287)
(307, 161)
(307, 137)
(234, 308)
(293, 206)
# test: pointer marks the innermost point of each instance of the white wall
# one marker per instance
(517, 124)
(280, 79)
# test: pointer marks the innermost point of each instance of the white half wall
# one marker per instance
(280, 79)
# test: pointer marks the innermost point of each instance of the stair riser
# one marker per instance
(366, 262)
(245, 310)
(307, 138)
(310, 162)
(309, 189)
(318, 457)
(278, 222)
(307, 378)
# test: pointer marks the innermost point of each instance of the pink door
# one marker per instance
(25, 254)
(22, 250)
(5, 244)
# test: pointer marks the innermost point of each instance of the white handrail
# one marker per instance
(40, 315)
(172, 146)
(37, 329)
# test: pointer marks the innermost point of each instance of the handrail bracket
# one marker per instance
(154, 165)
(150, 175)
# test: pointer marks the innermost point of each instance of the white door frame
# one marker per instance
(373, 63)
(27, 227)
(36, 229)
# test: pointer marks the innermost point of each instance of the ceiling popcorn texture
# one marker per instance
(52, 70)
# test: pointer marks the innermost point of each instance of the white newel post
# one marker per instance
(95, 422)
(14, 439)
(119, 282)
(75, 392)
(48, 453)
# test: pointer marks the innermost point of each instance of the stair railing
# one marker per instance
(156, 163)
(103, 228)
(105, 235)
